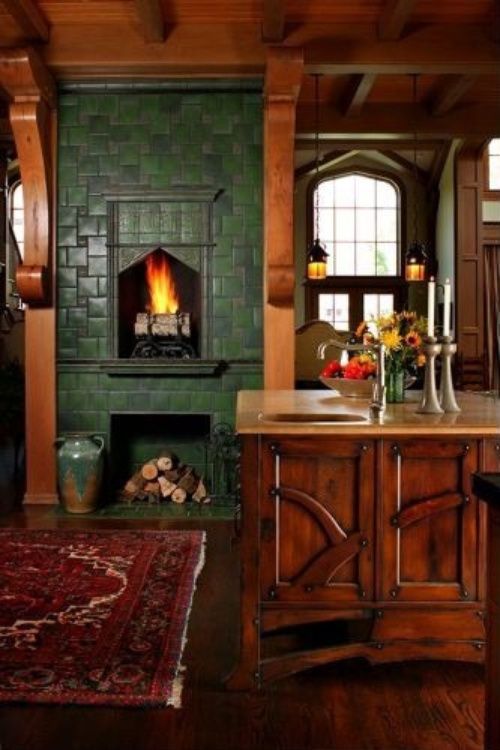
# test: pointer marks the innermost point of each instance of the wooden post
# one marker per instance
(284, 71)
(32, 100)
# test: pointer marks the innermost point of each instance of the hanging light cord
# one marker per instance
(415, 174)
(316, 117)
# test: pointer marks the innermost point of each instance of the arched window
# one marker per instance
(358, 216)
(493, 165)
(16, 215)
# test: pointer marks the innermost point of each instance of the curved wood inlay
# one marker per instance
(324, 567)
(374, 652)
(422, 509)
(324, 518)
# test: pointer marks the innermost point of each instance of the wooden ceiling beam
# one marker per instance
(273, 23)
(449, 93)
(325, 161)
(474, 120)
(434, 49)
(394, 17)
(356, 94)
(150, 16)
(368, 144)
(30, 19)
(405, 164)
(190, 51)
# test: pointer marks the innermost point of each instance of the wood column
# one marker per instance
(32, 103)
(284, 70)
(469, 283)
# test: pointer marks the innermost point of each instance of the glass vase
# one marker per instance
(394, 386)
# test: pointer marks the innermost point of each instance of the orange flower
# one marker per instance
(413, 339)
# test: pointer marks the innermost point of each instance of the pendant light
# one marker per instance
(416, 256)
(317, 255)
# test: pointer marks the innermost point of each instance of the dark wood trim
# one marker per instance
(273, 24)
(29, 18)
(394, 17)
(150, 17)
(449, 93)
(325, 162)
(357, 92)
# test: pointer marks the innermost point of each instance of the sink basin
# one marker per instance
(341, 417)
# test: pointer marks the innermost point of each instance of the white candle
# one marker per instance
(446, 308)
(431, 290)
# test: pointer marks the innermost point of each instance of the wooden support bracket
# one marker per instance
(32, 94)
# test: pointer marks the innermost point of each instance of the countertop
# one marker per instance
(270, 412)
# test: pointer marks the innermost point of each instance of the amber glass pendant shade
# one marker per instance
(415, 262)
(316, 261)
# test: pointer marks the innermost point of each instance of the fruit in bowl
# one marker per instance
(349, 388)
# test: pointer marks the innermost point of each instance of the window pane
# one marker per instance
(386, 258)
(387, 230)
(365, 259)
(365, 191)
(365, 224)
(344, 258)
(386, 195)
(330, 267)
(344, 191)
(375, 305)
(325, 193)
(494, 146)
(18, 197)
(494, 173)
(325, 224)
(344, 225)
(335, 309)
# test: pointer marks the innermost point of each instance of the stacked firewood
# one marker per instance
(165, 479)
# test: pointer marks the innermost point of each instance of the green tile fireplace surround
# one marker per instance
(157, 148)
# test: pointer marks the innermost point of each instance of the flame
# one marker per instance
(162, 294)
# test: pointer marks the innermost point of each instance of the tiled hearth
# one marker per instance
(157, 148)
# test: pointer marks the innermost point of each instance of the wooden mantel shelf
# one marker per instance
(480, 415)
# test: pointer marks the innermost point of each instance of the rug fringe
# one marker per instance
(175, 698)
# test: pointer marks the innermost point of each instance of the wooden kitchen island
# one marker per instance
(360, 539)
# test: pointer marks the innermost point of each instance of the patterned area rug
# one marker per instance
(95, 617)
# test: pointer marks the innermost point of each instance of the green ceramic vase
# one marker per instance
(79, 467)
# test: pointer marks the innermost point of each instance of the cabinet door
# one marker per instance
(317, 510)
(429, 521)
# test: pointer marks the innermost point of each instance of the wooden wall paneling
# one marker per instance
(282, 85)
(32, 98)
(469, 283)
(29, 18)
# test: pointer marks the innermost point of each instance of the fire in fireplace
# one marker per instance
(159, 308)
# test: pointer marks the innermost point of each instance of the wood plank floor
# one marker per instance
(351, 706)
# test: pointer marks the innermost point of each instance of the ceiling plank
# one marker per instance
(407, 165)
(29, 18)
(150, 16)
(325, 161)
(449, 93)
(356, 94)
(394, 18)
(474, 120)
(273, 22)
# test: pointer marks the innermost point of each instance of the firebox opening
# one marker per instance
(136, 438)
(159, 308)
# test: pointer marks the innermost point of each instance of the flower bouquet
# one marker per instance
(401, 333)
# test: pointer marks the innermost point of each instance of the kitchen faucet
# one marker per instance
(377, 404)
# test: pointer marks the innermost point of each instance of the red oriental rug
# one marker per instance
(95, 618)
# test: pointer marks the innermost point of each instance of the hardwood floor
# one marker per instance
(351, 706)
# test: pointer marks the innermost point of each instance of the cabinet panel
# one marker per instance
(429, 521)
(317, 520)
